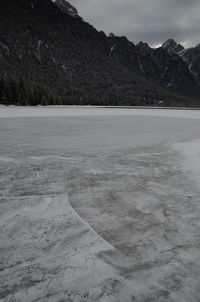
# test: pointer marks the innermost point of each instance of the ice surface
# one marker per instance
(21, 111)
(99, 204)
(191, 158)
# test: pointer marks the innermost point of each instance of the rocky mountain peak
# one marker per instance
(67, 8)
(144, 48)
(172, 47)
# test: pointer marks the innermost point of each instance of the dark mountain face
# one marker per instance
(192, 57)
(168, 70)
(165, 68)
(43, 44)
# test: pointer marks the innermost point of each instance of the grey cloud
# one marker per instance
(152, 21)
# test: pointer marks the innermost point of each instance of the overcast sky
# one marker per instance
(153, 21)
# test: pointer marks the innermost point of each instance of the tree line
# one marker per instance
(14, 91)
(19, 92)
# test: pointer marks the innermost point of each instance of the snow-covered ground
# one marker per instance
(99, 204)
(21, 111)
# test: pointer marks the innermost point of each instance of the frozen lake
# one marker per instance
(99, 204)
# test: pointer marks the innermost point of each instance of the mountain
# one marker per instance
(48, 54)
(167, 69)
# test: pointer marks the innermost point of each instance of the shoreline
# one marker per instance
(105, 107)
